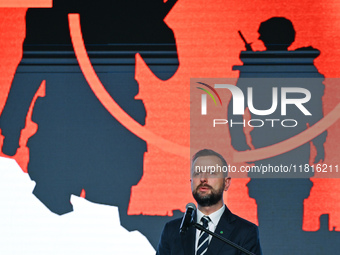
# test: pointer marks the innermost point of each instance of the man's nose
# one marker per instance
(204, 177)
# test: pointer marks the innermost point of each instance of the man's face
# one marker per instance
(207, 185)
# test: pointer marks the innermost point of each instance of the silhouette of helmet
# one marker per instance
(277, 33)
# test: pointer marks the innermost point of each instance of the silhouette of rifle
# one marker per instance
(248, 45)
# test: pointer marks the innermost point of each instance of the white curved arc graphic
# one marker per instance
(166, 145)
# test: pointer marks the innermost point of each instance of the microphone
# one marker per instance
(187, 218)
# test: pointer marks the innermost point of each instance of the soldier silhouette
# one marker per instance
(279, 196)
(79, 145)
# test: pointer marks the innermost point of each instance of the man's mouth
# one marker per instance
(203, 187)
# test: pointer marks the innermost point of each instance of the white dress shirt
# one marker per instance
(214, 219)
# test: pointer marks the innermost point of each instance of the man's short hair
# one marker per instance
(208, 152)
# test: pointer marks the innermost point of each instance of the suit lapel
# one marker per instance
(224, 228)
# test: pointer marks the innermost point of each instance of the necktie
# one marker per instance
(203, 240)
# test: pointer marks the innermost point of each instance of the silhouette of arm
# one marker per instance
(13, 117)
(316, 87)
(238, 138)
(317, 114)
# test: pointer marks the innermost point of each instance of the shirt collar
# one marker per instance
(214, 217)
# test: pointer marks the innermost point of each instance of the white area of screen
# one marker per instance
(28, 227)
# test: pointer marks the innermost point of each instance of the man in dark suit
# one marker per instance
(209, 179)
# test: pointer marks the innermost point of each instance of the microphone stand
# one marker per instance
(200, 227)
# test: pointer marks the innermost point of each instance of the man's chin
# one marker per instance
(204, 193)
(202, 198)
(206, 198)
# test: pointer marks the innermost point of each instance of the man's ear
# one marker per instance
(227, 181)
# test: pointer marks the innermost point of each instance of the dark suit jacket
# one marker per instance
(230, 226)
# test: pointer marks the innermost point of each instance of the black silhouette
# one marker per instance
(79, 145)
(280, 196)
